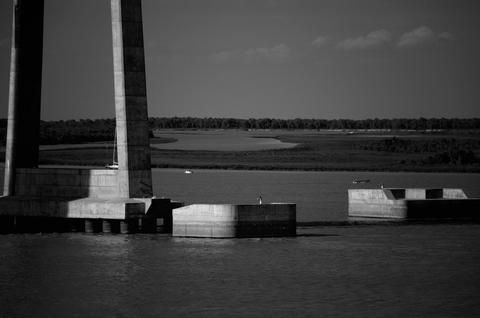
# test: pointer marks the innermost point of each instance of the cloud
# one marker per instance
(420, 35)
(320, 41)
(276, 54)
(371, 40)
(446, 36)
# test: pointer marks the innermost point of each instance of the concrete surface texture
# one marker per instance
(230, 220)
(412, 203)
(77, 193)
(130, 99)
(25, 89)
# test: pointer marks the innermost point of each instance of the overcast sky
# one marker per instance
(266, 58)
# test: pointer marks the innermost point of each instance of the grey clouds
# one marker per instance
(278, 58)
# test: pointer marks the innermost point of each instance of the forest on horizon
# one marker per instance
(91, 130)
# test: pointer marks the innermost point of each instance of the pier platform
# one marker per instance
(42, 215)
(417, 203)
(232, 220)
(56, 195)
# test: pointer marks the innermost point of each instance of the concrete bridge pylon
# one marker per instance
(109, 194)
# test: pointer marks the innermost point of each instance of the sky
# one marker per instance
(266, 58)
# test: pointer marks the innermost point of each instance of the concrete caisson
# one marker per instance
(31, 191)
(232, 220)
(403, 203)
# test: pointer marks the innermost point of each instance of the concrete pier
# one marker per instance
(25, 89)
(133, 144)
(93, 226)
(129, 226)
(399, 203)
(231, 220)
(119, 200)
(88, 194)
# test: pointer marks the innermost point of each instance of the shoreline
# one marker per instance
(256, 169)
(447, 153)
(280, 169)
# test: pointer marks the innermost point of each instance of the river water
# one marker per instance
(320, 196)
(377, 270)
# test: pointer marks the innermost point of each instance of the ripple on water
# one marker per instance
(378, 270)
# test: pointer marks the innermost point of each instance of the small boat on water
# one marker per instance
(188, 172)
(360, 181)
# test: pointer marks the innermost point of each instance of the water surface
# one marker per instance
(382, 270)
(350, 271)
(320, 196)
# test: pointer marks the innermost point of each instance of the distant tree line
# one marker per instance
(404, 145)
(298, 123)
(91, 130)
(76, 131)
(442, 150)
(70, 131)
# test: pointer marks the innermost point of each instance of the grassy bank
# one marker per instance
(447, 152)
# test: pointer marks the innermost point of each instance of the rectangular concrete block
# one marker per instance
(105, 209)
(415, 193)
(101, 172)
(454, 194)
(66, 183)
(411, 203)
(229, 220)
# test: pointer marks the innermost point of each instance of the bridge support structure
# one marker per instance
(109, 194)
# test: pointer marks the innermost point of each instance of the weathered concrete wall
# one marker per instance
(375, 203)
(415, 194)
(78, 193)
(412, 203)
(229, 220)
(66, 183)
(88, 208)
(454, 194)
(130, 99)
